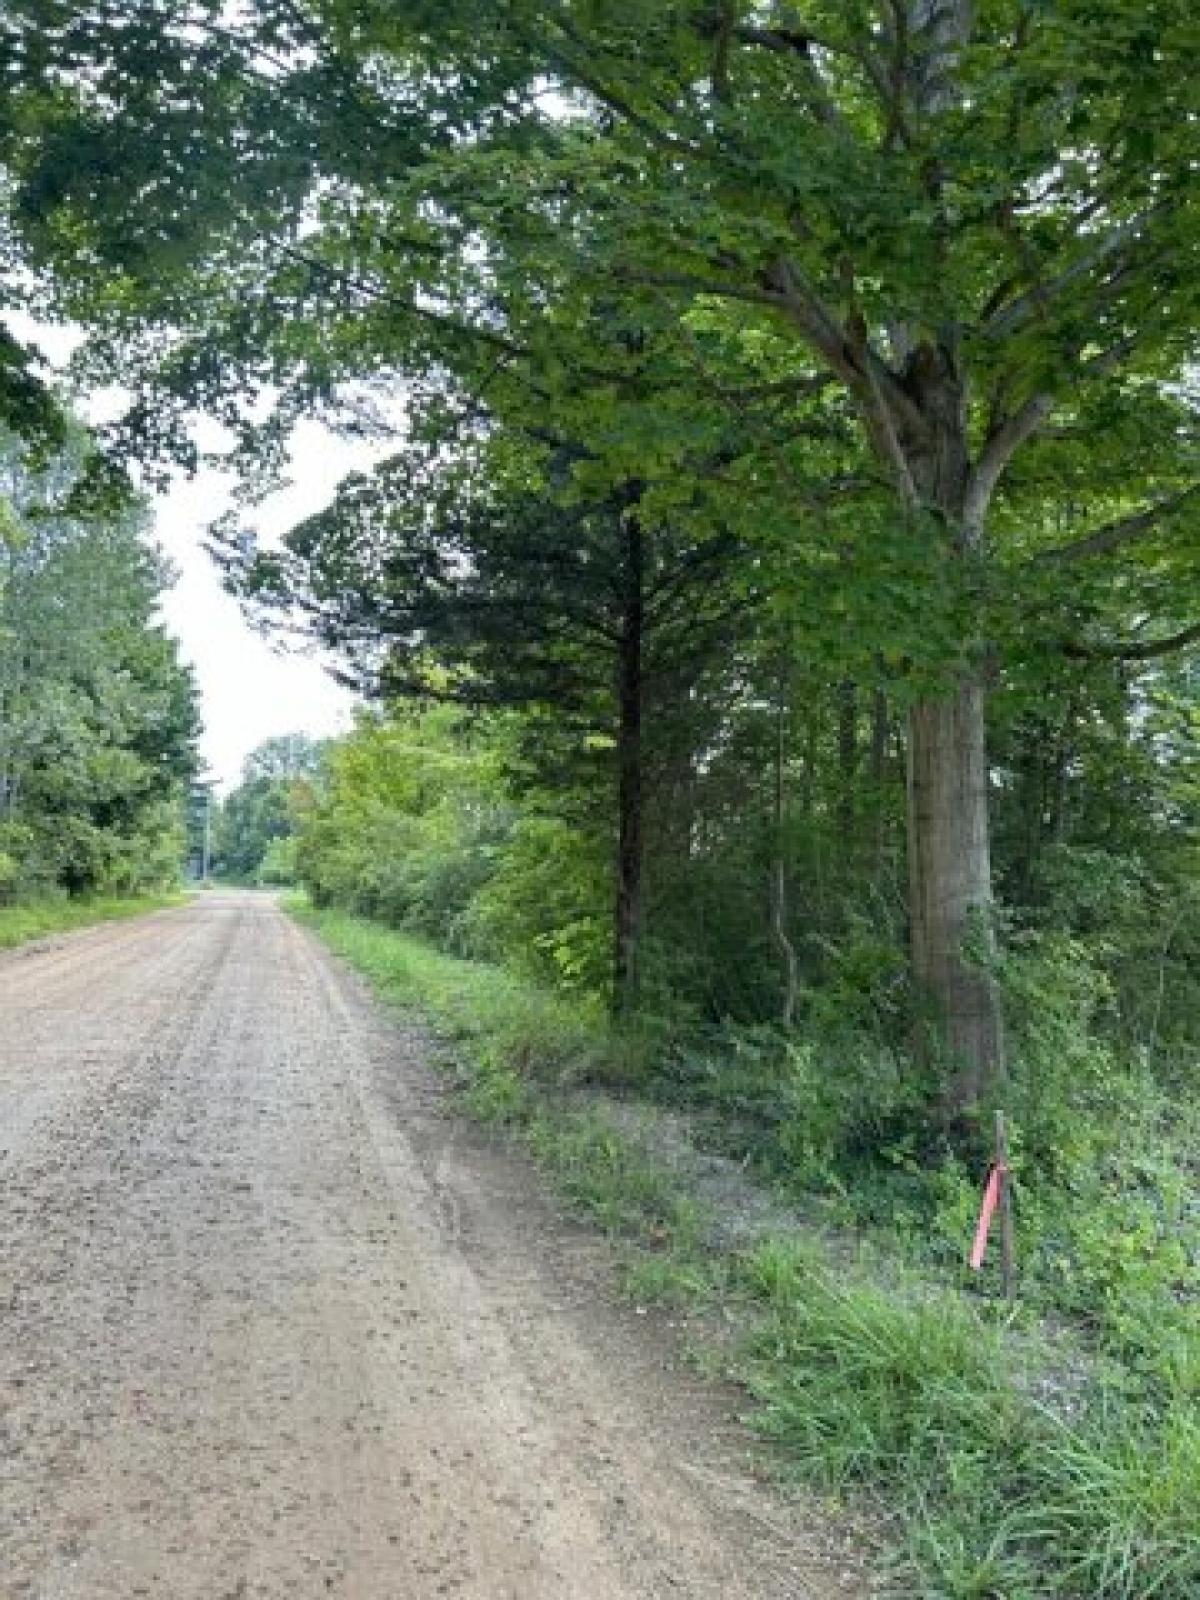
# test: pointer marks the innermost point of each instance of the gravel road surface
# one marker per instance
(275, 1322)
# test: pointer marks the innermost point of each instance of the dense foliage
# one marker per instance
(1051, 1450)
(774, 862)
(853, 288)
(255, 822)
(97, 716)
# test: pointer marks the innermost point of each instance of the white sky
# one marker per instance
(249, 689)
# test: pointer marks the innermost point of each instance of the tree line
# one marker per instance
(253, 828)
(98, 716)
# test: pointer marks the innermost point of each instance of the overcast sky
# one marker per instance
(249, 690)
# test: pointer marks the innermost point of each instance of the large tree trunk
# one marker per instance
(949, 855)
(630, 778)
(950, 892)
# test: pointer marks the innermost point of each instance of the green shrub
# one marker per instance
(278, 868)
(542, 909)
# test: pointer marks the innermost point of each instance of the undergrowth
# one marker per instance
(1016, 1458)
(21, 923)
(1000, 1489)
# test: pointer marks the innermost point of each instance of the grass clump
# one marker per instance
(675, 1279)
(40, 918)
(599, 1169)
(924, 1401)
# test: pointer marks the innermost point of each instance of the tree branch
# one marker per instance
(405, 303)
(1010, 318)
(697, 283)
(1115, 534)
(583, 77)
(1001, 445)
(1108, 360)
(787, 41)
(1147, 651)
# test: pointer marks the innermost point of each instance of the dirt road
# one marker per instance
(274, 1322)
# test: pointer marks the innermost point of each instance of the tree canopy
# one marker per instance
(855, 287)
(98, 717)
(777, 591)
(256, 820)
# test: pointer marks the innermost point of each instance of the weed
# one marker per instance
(671, 1280)
(598, 1169)
(920, 1398)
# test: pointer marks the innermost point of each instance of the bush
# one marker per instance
(540, 910)
(278, 867)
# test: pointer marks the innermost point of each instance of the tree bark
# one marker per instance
(881, 729)
(630, 776)
(847, 739)
(949, 855)
(779, 904)
(950, 893)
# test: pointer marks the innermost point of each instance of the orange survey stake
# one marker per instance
(992, 1192)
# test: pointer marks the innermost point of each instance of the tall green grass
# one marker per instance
(21, 923)
(1001, 1488)
(511, 1029)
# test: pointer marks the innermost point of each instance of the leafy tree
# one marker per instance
(911, 198)
(482, 587)
(404, 820)
(290, 755)
(259, 813)
(97, 716)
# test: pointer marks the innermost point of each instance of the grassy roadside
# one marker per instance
(20, 924)
(1010, 1465)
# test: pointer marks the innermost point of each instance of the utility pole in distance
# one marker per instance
(200, 806)
(206, 849)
